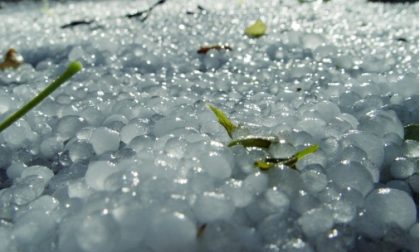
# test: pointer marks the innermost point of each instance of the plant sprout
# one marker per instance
(261, 142)
(72, 69)
(224, 120)
(290, 162)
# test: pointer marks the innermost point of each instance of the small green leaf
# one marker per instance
(290, 162)
(263, 165)
(256, 30)
(311, 149)
(251, 141)
(224, 120)
(411, 132)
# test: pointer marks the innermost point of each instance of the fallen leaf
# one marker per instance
(200, 230)
(256, 30)
(205, 49)
(77, 23)
(12, 59)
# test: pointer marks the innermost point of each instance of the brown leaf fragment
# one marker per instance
(12, 59)
(77, 23)
(205, 49)
(144, 14)
(200, 230)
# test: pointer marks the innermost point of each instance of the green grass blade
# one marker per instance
(263, 165)
(259, 142)
(311, 149)
(72, 69)
(224, 120)
(411, 132)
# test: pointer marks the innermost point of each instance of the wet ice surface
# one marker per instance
(127, 156)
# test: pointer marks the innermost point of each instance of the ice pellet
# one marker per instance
(104, 139)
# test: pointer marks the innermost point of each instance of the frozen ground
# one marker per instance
(128, 157)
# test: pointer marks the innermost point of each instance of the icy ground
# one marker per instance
(128, 157)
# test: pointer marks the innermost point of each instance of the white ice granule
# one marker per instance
(217, 165)
(402, 168)
(69, 125)
(386, 207)
(98, 232)
(97, 173)
(104, 139)
(316, 221)
(351, 175)
(314, 180)
(213, 206)
(178, 230)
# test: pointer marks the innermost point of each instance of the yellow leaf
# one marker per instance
(256, 30)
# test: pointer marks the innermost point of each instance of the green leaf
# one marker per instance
(72, 69)
(251, 141)
(311, 149)
(263, 165)
(256, 30)
(411, 132)
(290, 162)
(224, 120)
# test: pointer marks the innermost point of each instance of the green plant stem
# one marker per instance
(72, 69)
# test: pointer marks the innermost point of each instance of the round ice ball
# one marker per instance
(104, 139)
(314, 180)
(400, 185)
(371, 144)
(402, 168)
(235, 190)
(51, 146)
(256, 183)
(217, 164)
(33, 227)
(407, 86)
(213, 206)
(171, 232)
(413, 181)
(351, 174)
(316, 221)
(80, 150)
(387, 207)
(69, 125)
(37, 170)
(411, 148)
(130, 131)
(97, 173)
(134, 224)
(98, 233)
(18, 134)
